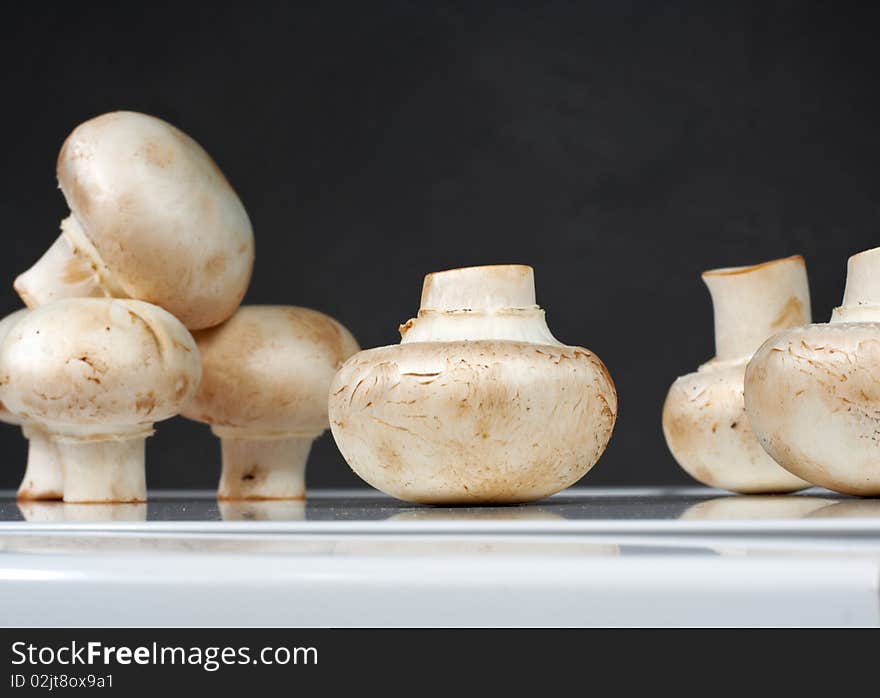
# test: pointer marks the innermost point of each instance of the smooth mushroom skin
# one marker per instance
(267, 371)
(704, 419)
(708, 432)
(95, 374)
(43, 476)
(813, 397)
(812, 393)
(479, 403)
(152, 218)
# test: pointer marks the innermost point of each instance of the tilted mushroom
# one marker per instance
(42, 477)
(96, 374)
(704, 419)
(478, 403)
(813, 393)
(267, 371)
(152, 218)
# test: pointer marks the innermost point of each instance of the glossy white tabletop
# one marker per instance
(585, 557)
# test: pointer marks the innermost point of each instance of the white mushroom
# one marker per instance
(704, 419)
(264, 393)
(813, 393)
(152, 218)
(96, 374)
(43, 478)
(478, 403)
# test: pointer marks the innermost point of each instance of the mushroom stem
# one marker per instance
(61, 272)
(43, 477)
(484, 288)
(104, 471)
(751, 303)
(490, 302)
(861, 297)
(255, 468)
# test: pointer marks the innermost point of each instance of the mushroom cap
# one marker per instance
(472, 421)
(708, 433)
(267, 371)
(168, 227)
(98, 363)
(813, 397)
(6, 325)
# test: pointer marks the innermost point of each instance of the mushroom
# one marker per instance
(42, 477)
(95, 374)
(267, 371)
(813, 393)
(152, 218)
(479, 403)
(704, 419)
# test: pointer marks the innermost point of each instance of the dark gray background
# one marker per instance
(618, 147)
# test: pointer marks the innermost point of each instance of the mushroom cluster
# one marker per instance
(157, 245)
(133, 316)
(784, 404)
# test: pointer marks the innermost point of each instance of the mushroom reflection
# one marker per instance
(849, 509)
(754, 508)
(65, 512)
(268, 510)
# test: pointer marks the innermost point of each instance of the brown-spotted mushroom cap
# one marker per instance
(96, 374)
(479, 403)
(813, 393)
(152, 218)
(267, 371)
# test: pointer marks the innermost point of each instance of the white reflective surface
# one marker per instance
(584, 557)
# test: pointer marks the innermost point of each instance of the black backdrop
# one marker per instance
(618, 147)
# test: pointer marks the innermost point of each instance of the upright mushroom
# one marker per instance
(95, 374)
(479, 403)
(813, 393)
(43, 477)
(151, 218)
(704, 419)
(267, 371)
